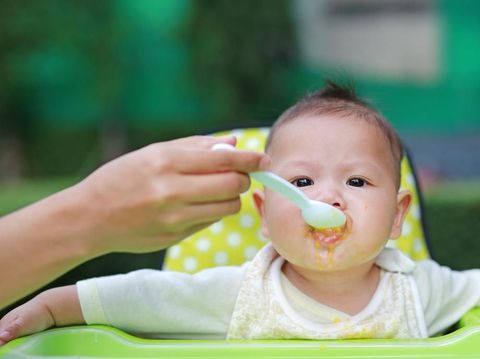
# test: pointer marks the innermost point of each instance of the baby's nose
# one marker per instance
(332, 197)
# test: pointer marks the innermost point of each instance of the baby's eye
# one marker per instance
(302, 182)
(356, 182)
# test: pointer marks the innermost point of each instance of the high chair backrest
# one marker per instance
(236, 239)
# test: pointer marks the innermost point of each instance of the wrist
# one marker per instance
(83, 218)
(63, 224)
(61, 306)
(43, 301)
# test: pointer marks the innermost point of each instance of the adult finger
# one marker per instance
(207, 161)
(197, 227)
(199, 214)
(207, 187)
(203, 142)
(213, 211)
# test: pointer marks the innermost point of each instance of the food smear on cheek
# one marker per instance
(325, 242)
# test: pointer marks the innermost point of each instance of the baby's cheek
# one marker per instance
(284, 221)
(291, 216)
(280, 208)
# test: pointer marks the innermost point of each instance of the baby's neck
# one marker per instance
(347, 291)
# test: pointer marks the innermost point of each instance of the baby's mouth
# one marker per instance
(328, 236)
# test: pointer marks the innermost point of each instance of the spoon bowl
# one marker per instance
(321, 215)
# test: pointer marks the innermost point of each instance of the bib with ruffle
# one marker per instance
(263, 312)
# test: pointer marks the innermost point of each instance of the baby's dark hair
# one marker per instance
(342, 101)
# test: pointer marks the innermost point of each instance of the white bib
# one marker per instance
(263, 312)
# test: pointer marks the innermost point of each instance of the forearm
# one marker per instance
(41, 242)
(143, 201)
(63, 305)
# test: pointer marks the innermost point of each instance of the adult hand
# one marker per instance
(154, 197)
(143, 201)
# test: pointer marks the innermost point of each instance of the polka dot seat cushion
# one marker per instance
(236, 239)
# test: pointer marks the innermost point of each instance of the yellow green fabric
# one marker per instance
(236, 239)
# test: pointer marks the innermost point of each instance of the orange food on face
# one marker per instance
(325, 242)
(328, 236)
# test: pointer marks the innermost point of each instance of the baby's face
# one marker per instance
(347, 163)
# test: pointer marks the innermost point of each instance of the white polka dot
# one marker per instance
(253, 144)
(246, 221)
(391, 244)
(261, 237)
(250, 252)
(174, 252)
(234, 239)
(237, 133)
(265, 131)
(410, 180)
(415, 211)
(417, 245)
(190, 264)
(406, 229)
(220, 258)
(203, 244)
(216, 227)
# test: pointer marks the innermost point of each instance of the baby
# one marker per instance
(306, 283)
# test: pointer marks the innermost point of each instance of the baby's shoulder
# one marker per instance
(430, 273)
(427, 269)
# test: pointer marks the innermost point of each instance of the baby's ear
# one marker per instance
(404, 200)
(259, 200)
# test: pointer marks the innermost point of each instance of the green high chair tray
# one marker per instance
(232, 241)
(105, 342)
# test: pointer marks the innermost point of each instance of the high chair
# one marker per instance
(232, 241)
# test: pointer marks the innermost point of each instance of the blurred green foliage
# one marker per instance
(84, 81)
(65, 44)
(241, 56)
(59, 82)
(76, 73)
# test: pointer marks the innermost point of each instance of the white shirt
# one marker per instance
(166, 304)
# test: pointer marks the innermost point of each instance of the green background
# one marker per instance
(74, 73)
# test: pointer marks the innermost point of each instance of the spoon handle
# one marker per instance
(285, 188)
(272, 181)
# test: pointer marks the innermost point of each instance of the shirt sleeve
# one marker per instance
(164, 304)
(445, 294)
